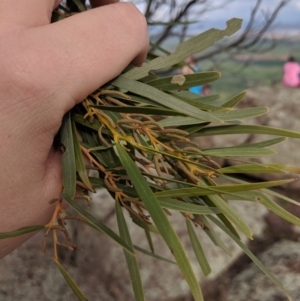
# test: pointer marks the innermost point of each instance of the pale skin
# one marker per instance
(46, 69)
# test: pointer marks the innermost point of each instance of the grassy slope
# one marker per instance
(263, 69)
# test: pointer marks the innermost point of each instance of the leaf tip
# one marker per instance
(233, 25)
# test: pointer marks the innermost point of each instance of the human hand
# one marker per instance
(45, 70)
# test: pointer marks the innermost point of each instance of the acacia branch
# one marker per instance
(176, 19)
(241, 43)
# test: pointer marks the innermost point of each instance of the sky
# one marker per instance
(287, 20)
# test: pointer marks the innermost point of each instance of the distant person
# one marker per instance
(206, 90)
(291, 73)
(187, 70)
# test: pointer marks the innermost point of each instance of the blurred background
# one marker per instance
(251, 59)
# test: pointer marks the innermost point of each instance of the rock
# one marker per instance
(100, 269)
(283, 261)
(283, 103)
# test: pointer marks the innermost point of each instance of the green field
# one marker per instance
(262, 69)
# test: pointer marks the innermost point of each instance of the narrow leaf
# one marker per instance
(138, 110)
(249, 152)
(149, 239)
(145, 226)
(187, 207)
(232, 102)
(160, 220)
(231, 214)
(188, 80)
(222, 217)
(162, 98)
(132, 263)
(245, 129)
(208, 100)
(93, 222)
(71, 282)
(137, 248)
(209, 190)
(179, 121)
(270, 204)
(282, 197)
(212, 234)
(79, 162)
(223, 115)
(95, 125)
(196, 102)
(194, 128)
(68, 157)
(230, 115)
(265, 143)
(21, 231)
(184, 50)
(261, 168)
(255, 194)
(141, 101)
(198, 249)
(278, 210)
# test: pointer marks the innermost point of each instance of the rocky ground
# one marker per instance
(100, 269)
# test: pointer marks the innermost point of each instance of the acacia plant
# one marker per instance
(137, 134)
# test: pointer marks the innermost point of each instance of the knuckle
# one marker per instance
(133, 19)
